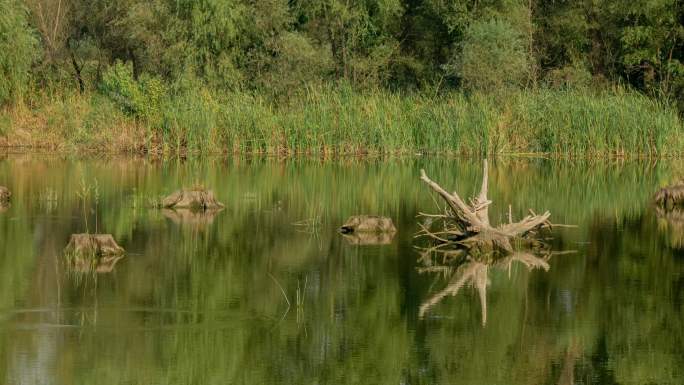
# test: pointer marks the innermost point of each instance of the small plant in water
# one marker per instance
(86, 193)
(301, 295)
(47, 198)
(311, 225)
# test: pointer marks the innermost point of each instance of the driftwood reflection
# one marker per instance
(462, 269)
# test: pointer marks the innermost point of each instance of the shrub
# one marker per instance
(17, 50)
(493, 57)
(141, 99)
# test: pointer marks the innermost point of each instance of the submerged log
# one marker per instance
(368, 224)
(468, 224)
(5, 194)
(192, 199)
(93, 245)
(670, 196)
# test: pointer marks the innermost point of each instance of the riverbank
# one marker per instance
(341, 121)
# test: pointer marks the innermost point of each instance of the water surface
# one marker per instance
(267, 292)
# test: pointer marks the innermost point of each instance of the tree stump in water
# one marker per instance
(368, 224)
(93, 245)
(468, 225)
(5, 195)
(670, 196)
(192, 199)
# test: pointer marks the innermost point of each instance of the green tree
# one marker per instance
(17, 50)
(361, 35)
(493, 57)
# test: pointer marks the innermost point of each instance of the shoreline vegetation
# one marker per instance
(333, 77)
(341, 121)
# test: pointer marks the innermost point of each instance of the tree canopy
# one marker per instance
(277, 46)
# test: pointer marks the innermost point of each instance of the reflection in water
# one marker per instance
(83, 264)
(671, 222)
(197, 219)
(199, 307)
(467, 270)
(368, 239)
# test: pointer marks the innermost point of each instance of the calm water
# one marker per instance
(204, 300)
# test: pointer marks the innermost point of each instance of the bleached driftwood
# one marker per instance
(468, 224)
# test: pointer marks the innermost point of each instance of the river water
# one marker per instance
(267, 291)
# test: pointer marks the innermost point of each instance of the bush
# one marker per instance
(290, 62)
(141, 99)
(493, 57)
(573, 76)
(17, 50)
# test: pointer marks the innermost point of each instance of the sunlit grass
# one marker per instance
(341, 121)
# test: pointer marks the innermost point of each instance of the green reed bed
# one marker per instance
(578, 123)
(342, 121)
(350, 123)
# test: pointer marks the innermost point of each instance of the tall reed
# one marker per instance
(339, 120)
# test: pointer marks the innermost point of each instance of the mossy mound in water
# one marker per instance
(94, 245)
(192, 199)
(670, 196)
(5, 194)
(368, 224)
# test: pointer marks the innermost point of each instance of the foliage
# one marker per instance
(493, 57)
(144, 116)
(157, 60)
(17, 50)
(141, 98)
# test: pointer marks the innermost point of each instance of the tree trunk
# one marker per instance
(77, 72)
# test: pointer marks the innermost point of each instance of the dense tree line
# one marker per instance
(276, 46)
